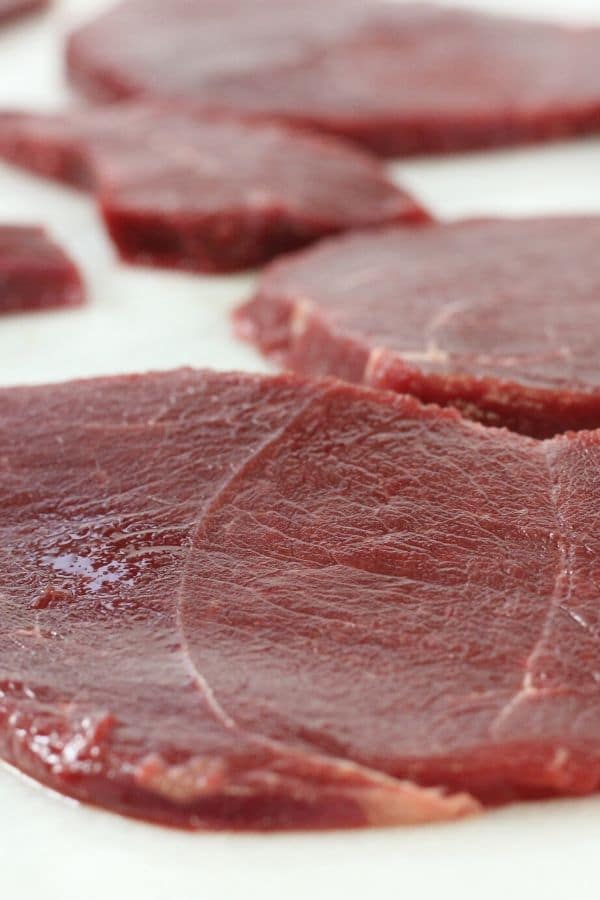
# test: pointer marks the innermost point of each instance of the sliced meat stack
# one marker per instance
(396, 78)
(208, 194)
(35, 273)
(260, 603)
(500, 319)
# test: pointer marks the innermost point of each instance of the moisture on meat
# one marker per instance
(14, 9)
(397, 78)
(260, 603)
(498, 318)
(35, 273)
(208, 194)
(104, 487)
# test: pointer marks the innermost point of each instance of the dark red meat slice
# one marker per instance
(396, 78)
(35, 273)
(498, 318)
(207, 194)
(13, 9)
(237, 601)
(104, 489)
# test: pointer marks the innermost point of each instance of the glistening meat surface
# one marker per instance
(102, 487)
(35, 273)
(208, 194)
(249, 602)
(498, 318)
(397, 78)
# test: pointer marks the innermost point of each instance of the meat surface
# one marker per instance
(208, 194)
(498, 318)
(35, 273)
(14, 9)
(104, 487)
(396, 78)
(235, 601)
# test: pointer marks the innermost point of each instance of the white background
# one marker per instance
(52, 849)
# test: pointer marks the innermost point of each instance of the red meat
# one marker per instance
(248, 602)
(206, 194)
(34, 272)
(14, 9)
(500, 318)
(397, 78)
(103, 487)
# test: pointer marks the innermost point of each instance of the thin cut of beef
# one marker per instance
(396, 78)
(208, 194)
(14, 9)
(35, 273)
(105, 487)
(498, 318)
(262, 603)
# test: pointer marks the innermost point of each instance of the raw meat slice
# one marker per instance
(102, 486)
(410, 591)
(253, 602)
(35, 273)
(397, 78)
(206, 194)
(498, 318)
(14, 9)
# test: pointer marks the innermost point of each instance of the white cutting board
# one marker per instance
(53, 849)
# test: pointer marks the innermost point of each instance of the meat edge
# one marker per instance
(294, 334)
